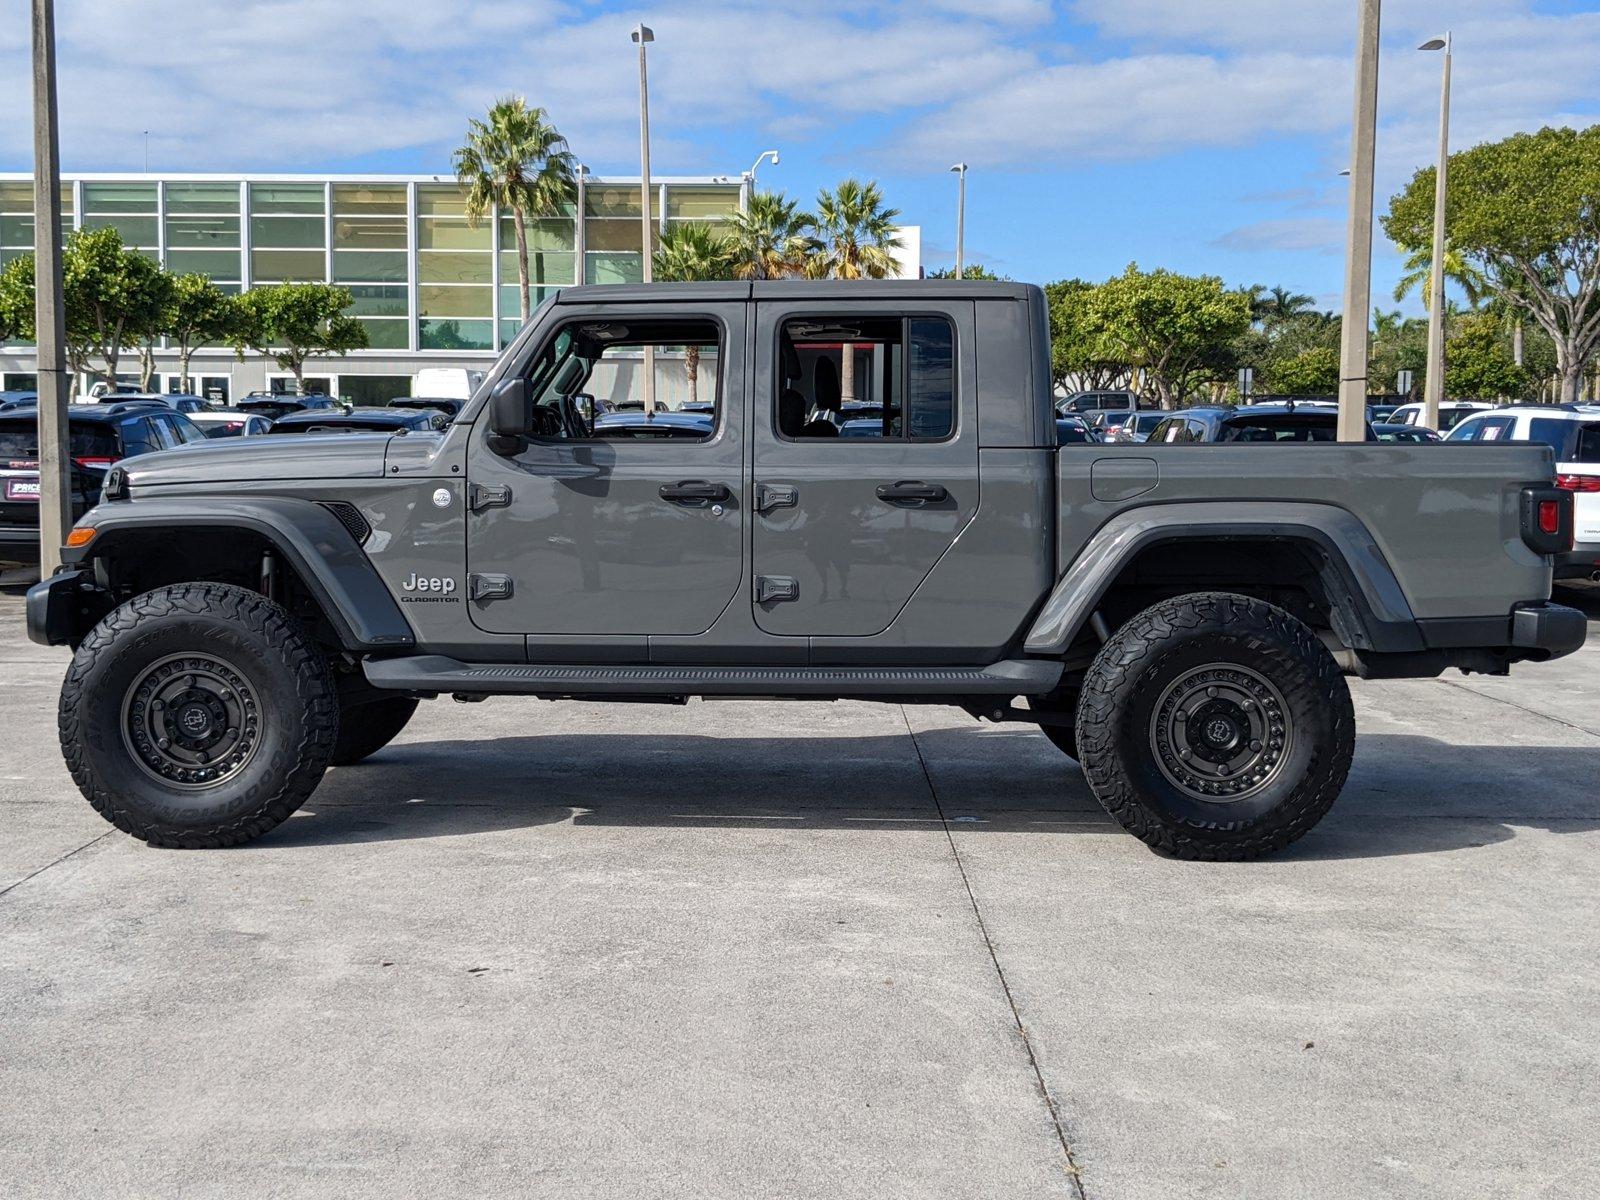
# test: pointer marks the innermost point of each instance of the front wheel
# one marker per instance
(198, 715)
(1215, 726)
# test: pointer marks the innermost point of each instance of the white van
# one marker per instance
(445, 383)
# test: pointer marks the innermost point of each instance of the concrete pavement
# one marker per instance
(844, 950)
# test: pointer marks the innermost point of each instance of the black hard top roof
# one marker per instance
(797, 289)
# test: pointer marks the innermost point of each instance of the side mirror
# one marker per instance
(510, 416)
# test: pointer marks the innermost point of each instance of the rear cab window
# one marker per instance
(866, 378)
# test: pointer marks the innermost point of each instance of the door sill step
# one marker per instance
(437, 673)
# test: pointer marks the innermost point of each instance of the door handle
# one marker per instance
(912, 491)
(696, 492)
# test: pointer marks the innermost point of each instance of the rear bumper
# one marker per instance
(1582, 561)
(19, 544)
(1554, 629)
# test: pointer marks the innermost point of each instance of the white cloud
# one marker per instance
(1321, 234)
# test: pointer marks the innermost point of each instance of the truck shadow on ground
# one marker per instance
(1406, 795)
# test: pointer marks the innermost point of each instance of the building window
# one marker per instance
(129, 208)
(455, 273)
(288, 233)
(369, 258)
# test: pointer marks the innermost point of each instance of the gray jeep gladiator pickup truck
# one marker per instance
(834, 490)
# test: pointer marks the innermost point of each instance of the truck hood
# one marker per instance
(271, 457)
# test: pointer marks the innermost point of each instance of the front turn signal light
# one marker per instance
(80, 537)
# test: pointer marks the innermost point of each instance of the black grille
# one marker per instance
(350, 517)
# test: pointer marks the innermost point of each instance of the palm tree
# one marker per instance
(857, 234)
(1281, 304)
(1457, 269)
(771, 238)
(858, 237)
(691, 251)
(516, 161)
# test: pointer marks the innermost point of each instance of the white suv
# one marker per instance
(1573, 432)
(1451, 413)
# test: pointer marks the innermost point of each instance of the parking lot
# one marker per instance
(811, 950)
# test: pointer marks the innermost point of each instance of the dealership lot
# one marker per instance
(821, 950)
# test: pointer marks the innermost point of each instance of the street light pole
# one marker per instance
(1433, 387)
(1358, 240)
(55, 493)
(747, 181)
(643, 35)
(961, 215)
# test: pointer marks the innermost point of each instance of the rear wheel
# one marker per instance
(1215, 726)
(198, 715)
(364, 729)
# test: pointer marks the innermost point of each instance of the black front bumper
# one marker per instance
(56, 606)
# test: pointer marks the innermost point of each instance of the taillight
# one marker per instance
(1578, 483)
(95, 462)
(1546, 519)
(1549, 517)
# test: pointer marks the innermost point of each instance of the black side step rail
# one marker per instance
(437, 673)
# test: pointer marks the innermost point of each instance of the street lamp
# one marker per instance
(747, 181)
(1353, 343)
(1433, 388)
(642, 36)
(961, 214)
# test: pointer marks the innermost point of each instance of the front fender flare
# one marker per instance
(1359, 582)
(309, 537)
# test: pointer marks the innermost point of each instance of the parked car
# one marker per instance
(1191, 612)
(1451, 413)
(230, 422)
(1404, 433)
(456, 382)
(361, 420)
(98, 435)
(273, 405)
(1087, 402)
(1572, 431)
(180, 402)
(1073, 430)
(1126, 426)
(17, 399)
(626, 425)
(1284, 424)
(1381, 413)
(444, 404)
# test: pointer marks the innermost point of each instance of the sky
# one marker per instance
(1198, 135)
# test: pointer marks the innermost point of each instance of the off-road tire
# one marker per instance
(1128, 713)
(283, 699)
(364, 729)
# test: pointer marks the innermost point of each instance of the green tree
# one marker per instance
(1417, 271)
(17, 309)
(1479, 364)
(515, 160)
(291, 322)
(690, 252)
(968, 271)
(858, 235)
(1280, 305)
(771, 238)
(1526, 212)
(1075, 343)
(1313, 372)
(112, 295)
(1178, 330)
(198, 313)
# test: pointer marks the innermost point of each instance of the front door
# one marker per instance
(618, 518)
(866, 464)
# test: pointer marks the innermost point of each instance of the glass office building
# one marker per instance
(431, 286)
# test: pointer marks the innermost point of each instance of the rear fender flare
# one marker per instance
(1368, 600)
(310, 538)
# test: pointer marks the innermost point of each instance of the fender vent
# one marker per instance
(350, 517)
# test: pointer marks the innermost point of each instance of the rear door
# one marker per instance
(847, 523)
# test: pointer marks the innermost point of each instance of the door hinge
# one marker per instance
(770, 496)
(489, 587)
(771, 589)
(481, 496)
